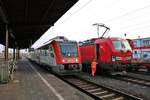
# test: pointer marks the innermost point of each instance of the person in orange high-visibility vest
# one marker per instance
(93, 67)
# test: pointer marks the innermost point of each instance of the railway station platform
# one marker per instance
(32, 82)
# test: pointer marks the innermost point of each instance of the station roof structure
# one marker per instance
(29, 19)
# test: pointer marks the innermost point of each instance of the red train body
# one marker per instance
(60, 55)
(112, 54)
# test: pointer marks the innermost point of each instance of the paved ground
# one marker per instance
(34, 83)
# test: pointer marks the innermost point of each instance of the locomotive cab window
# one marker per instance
(121, 45)
(50, 48)
(52, 55)
(68, 49)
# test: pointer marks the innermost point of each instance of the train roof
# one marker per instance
(58, 38)
(147, 38)
(92, 41)
(116, 38)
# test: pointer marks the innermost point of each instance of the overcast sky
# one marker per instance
(121, 16)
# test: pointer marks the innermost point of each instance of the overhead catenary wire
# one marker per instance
(132, 14)
(139, 23)
(141, 30)
(127, 14)
(82, 7)
(79, 9)
(138, 27)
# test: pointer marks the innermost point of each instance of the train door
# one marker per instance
(52, 56)
(97, 52)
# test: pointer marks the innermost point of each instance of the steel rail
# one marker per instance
(133, 80)
(98, 92)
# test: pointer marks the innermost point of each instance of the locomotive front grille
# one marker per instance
(71, 67)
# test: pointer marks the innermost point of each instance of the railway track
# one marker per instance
(141, 72)
(132, 80)
(96, 91)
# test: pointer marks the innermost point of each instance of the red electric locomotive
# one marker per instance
(112, 54)
(59, 54)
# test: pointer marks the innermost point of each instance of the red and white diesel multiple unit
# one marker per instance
(112, 54)
(141, 52)
(59, 54)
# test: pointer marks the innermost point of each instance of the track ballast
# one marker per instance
(96, 91)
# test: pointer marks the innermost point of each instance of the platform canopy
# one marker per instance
(29, 19)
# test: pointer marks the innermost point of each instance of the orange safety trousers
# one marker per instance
(93, 68)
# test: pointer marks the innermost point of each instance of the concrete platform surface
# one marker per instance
(31, 82)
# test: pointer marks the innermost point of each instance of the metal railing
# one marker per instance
(6, 71)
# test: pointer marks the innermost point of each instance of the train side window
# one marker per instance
(52, 55)
(45, 53)
(40, 52)
(145, 55)
(51, 49)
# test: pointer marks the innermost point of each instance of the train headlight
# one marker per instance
(77, 60)
(63, 60)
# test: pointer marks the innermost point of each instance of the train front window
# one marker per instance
(121, 45)
(68, 49)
